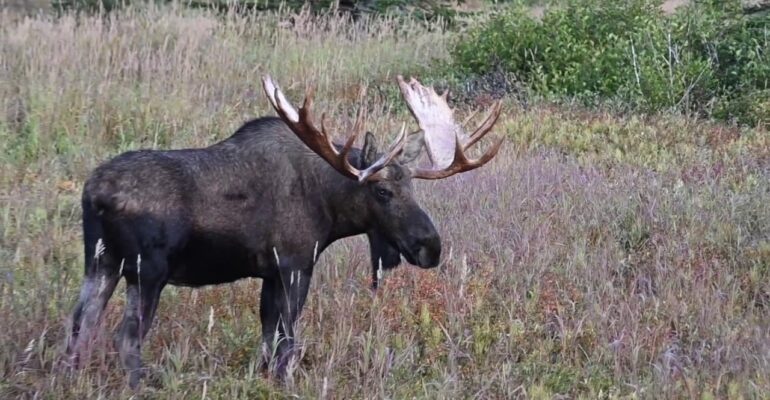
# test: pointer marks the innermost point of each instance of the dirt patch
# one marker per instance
(537, 12)
(669, 6)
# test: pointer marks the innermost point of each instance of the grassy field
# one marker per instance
(599, 256)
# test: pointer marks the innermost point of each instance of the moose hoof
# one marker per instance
(277, 368)
(135, 378)
(71, 360)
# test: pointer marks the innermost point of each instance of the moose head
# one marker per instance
(398, 225)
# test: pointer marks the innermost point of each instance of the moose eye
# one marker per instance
(383, 193)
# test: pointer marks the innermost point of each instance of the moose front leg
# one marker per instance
(282, 299)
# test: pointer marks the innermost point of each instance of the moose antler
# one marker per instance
(301, 123)
(445, 139)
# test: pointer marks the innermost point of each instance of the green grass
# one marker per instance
(599, 256)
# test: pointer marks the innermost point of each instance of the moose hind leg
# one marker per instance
(143, 290)
(97, 288)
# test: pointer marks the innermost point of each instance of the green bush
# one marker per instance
(708, 58)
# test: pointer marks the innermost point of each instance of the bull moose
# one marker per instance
(262, 203)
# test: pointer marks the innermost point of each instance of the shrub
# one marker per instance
(738, 47)
(709, 58)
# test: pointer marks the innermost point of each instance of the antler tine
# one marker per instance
(361, 115)
(276, 98)
(323, 132)
(319, 141)
(395, 149)
(349, 145)
(486, 126)
(460, 163)
(307, 105)
(282, 112)
(445, 139)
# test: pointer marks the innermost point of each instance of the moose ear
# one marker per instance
(412, 148)
(368, 152)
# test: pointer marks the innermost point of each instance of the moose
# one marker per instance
(263, 203)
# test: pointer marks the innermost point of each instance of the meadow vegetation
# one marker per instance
(601, 255)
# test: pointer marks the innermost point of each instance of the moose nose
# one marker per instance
(428, 251)
(424, 247)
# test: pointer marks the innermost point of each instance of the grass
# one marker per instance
(599, 256)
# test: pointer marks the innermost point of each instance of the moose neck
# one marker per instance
(346, 204)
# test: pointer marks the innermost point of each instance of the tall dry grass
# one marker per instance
(596, 257)
(136, 77)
